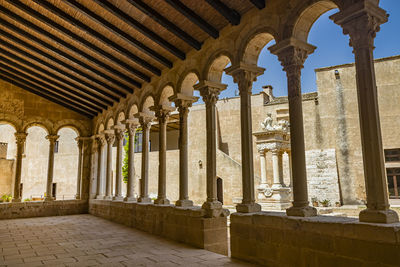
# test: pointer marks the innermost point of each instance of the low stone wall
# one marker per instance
(42, 208)
(274, 239)
(186, 225)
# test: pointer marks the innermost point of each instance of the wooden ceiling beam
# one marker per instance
(77, 38)
(120, 33)
(193, 17)
(45, 87)
(69, 91)
(12, 38)
(38, 60)
(39, 92)
(229, 14)
(157, 17)
(260, 4)
(54, 38)
(141, 28)
(100, 37)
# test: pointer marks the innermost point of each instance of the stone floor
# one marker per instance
(85, 240)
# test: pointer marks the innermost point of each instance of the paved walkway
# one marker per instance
(85, 240)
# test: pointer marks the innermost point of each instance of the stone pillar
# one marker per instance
(290, 168)
(80, 144)
(145, 122)
(210, 92)
(361, 21)
(119, 136)
(244, 75)
(183, 103)
(131, 125)
(277, 168)
(110, 138)
(101, 142)
(162, 114)
(292, 53)
(263, 165)
(50, 170)
(20, 140)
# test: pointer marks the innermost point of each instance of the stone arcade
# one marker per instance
(107, 68)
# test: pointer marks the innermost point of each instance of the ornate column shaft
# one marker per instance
(119, 136)
(210, 92)
(131, 125)
(101, 142)
(292, 53)
(50, 170)
(80, 144)
(145, 122)
(244, 76)
(20, 140)
(361, 21)
(110, 138)
(183, 103)
(162, 114)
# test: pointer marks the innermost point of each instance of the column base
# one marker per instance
(16, 200)
(130, 199)
(77, 197)
(144, 200)
(248, 208)
(378, 216)
(107, 198)
(306, 211)
(48, 199)
(99, 197)
(161, 201)
(213, 209)
(118, 198)
(184, 203)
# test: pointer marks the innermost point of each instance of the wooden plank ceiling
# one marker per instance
(86, 55)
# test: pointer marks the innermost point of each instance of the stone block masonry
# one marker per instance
(186, 225)
(274, 239)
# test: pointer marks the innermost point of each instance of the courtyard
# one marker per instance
(86, 240)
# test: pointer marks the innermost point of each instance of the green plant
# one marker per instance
(326, 203)
(6, 198)
(314, 201)
(125, 165)
(27, 199)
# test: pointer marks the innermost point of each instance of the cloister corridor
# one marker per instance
(86, 240)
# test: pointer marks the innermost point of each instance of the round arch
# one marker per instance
(133, 109)
(120, 117)
(148, 101)
(110, 123)
(216, 65)
(188, 80)
(100, 128)
(166, 92)
(38, 124)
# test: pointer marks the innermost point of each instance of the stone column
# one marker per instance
(289, 153)
(20, 140)
(244, 75)
(210, 92)
(292, 53)
(131, 125)
(145, 121)
(361, 21)
(50, 170)
(183, 102)
(162, 114)
(276, 167)
(263, 164)
(110, 138)
(119, 136)
(101, 142)
(80, 144)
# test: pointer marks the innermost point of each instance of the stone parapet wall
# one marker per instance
(42, 208)
(274, 239)
(186, 225)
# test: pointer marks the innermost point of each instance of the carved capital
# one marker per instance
(20, 138)
(210, 91)
(79, 142)
(244, 75)
(162, 112)
(52, 138)
(119, 134)
(101, 140)
(361, 21)
(110, 138)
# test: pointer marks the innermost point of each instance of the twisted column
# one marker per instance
(362, 21)
(131, 125)
(119, 136)
(244, 75)
(210, 92)
(292, 53)
(162, 114)
(110, 138)
(50, 170)
(20, 140)
(101, 142)
(145, 122)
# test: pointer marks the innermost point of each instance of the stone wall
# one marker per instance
(42, 208)
(273, 239)
(6, 176)
(186, 225)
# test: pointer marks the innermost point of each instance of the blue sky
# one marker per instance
(332, 49)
